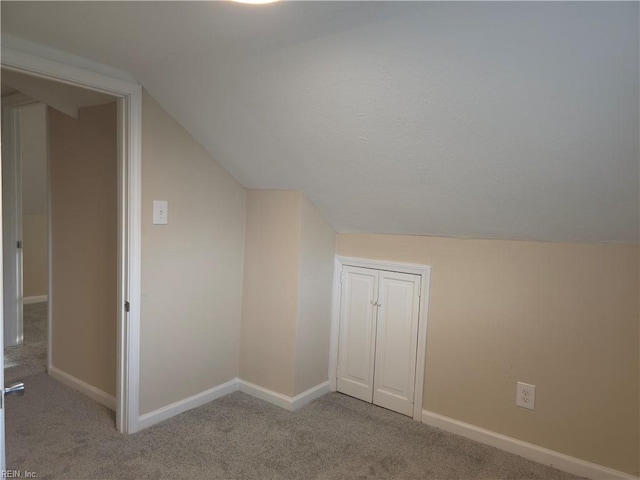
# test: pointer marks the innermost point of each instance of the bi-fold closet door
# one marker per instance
(379, 337)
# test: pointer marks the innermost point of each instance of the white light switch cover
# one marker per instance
(160, 212)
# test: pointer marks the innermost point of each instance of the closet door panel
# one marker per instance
(396, 341)
(357, 332)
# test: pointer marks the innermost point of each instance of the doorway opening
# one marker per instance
(127, 110)
(64, 198)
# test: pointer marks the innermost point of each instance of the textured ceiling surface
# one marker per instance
(484, 119)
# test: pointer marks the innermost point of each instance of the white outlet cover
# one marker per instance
(160, 212)
(526, 396)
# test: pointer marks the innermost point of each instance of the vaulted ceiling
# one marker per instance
(483, 119)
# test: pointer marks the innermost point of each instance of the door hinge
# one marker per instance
(19, 244)
(126, 306)
(341, 278)
(337, 372)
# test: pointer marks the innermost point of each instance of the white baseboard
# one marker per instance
(280, 400)
(36, 299)
(527, 450)
(90, 391)
(265, 394)
(308, 396)
(189, 403)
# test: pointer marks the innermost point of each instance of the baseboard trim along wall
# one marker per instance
(275, 398)
(284, 401)
(278, 399)
(90, 391)
(36, 299)
(189, 403)
(310, 395)
(527, 450)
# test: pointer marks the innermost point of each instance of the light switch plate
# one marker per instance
(160, 212)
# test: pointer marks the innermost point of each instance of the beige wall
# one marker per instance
(191, 268)
(317, 251)
(35, 274)
(564, 317)
(84, 235)
(33, 149)
(286, 310)
(269, 304)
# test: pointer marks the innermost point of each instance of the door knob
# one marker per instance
(15, 389)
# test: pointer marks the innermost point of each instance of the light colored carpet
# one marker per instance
(31, 356)
(59, 433)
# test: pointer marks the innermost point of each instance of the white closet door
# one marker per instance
(397, 341)
(357, 332)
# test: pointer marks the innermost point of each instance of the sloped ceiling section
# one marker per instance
(511, 120)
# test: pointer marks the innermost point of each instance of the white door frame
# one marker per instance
(129, 214)
(424, 271)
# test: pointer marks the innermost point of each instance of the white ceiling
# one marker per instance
(483, 119)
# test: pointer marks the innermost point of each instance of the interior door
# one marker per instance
(3, 464)
(12, 227)
(396, 341)
(357, 332)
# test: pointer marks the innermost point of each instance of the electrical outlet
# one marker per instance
(526, 396)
